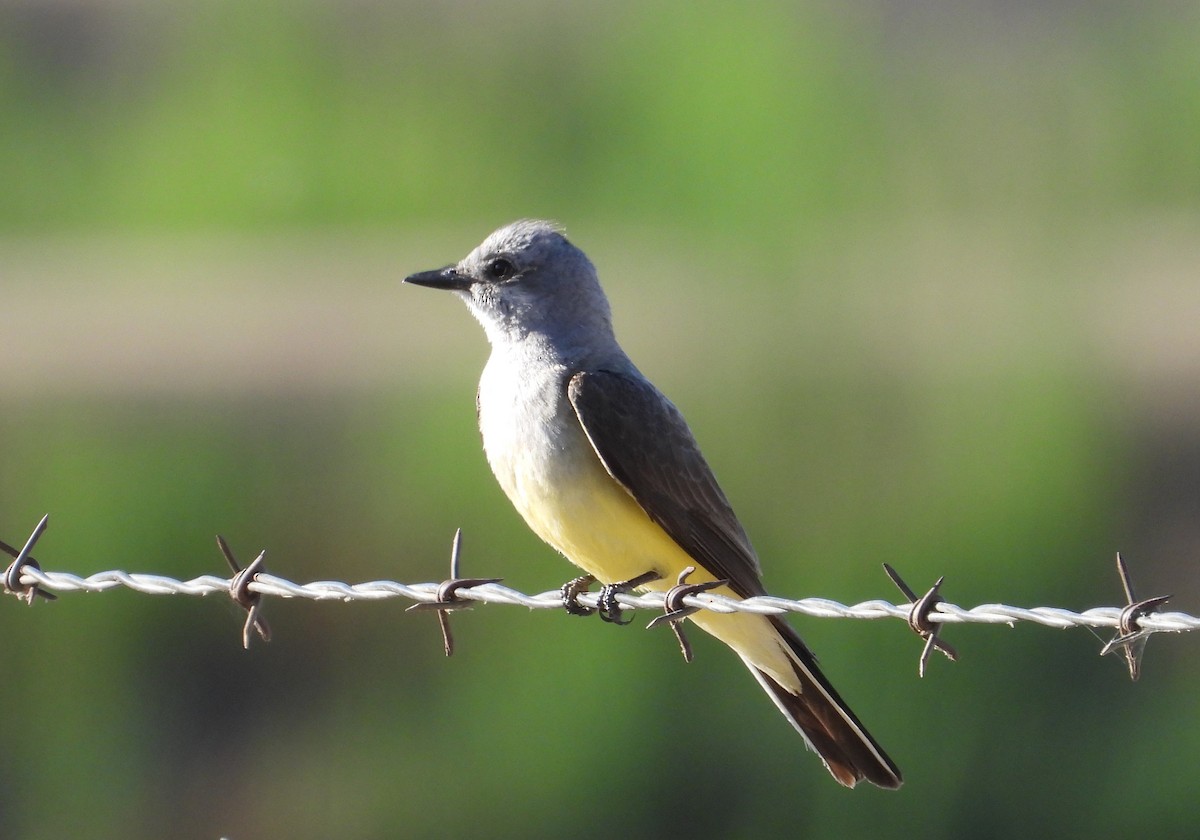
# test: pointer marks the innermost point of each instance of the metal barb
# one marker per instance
(674, 610)
(447, 594)
(1131, 638)
(21, 561)
(919, 621)
(239, 591)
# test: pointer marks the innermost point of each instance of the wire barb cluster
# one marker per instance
(926, 616)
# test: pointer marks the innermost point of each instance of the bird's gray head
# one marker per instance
(527, 280)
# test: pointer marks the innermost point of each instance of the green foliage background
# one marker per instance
(922, 276)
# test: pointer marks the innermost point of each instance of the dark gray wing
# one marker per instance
(645, 444)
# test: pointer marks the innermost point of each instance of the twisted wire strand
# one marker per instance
(494, 593)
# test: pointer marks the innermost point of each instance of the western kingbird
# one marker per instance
(603, 468)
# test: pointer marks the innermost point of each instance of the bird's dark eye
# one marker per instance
(500, 269)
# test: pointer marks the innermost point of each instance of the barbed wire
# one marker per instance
(496, 593)
(926, 615)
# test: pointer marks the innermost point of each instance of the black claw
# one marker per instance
(606, 600)
(571, 590)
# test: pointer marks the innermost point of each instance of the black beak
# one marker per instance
(441, 278)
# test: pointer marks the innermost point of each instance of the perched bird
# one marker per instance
(603, 467)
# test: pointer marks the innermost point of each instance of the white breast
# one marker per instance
(546, 466)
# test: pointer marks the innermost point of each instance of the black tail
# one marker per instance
(829, 727)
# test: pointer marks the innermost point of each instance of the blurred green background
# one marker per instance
(923, 277)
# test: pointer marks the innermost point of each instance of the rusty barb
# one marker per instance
(919, 621)
(239, 591)
(1131, 638)
(23, 560)
(447, 594)
(925, 615)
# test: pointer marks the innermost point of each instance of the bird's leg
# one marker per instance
(606, 601)
(571, 590)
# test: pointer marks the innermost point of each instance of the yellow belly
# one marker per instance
(598, 526)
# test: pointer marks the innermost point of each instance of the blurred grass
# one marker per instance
(919, 276)
(752, 120)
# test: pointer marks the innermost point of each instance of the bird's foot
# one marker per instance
(606, 599)
(570, 592)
